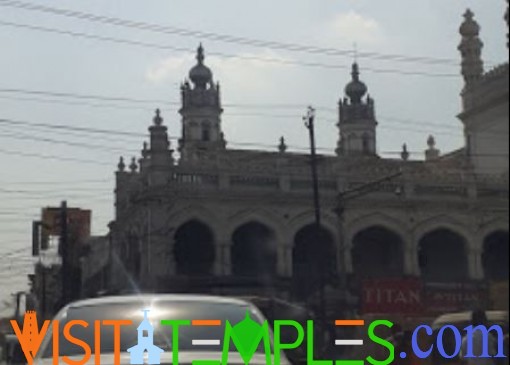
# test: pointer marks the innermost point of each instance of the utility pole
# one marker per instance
(64, 252)
(17, 312)
(310, 124)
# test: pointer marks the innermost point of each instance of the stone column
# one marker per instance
(289, 250)
(284, 261)
(409, 261)
(475, 265)
(344, 259)
(227, 259)
(218, 259)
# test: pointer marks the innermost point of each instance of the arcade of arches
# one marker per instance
(442, 255)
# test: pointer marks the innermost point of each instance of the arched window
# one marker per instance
(443, 256)
(194, 249)
(378, 252)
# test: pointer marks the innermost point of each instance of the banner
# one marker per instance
(78, 221)
(454, 297)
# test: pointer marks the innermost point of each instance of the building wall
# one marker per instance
(472, 210)
(486, 119)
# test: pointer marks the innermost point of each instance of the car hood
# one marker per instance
(185, 358)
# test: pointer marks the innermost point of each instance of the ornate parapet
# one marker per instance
(491, 88)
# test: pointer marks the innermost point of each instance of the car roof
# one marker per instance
(137, 298)
(462, 317)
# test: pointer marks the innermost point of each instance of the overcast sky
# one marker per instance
(413, 99)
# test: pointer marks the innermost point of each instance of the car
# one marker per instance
(462, 320)
(12, 354)
(196, 342)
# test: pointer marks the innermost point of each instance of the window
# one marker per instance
(206, 135)
(366, 143)
(469, 144)
(206, 132)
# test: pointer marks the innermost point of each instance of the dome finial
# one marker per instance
(405, 153)
(283, 145)
(355, 71)
(200, 74)
(200, 54)
(470, 27)
(121, 165)
(471, 49)
(158, 120)
(356, 89)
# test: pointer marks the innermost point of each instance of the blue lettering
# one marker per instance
(416, 346)
(457, 342)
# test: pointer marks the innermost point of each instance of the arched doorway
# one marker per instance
(443, 257)
(314, 260)
(495, 256)
(377, 252)
(194, 249)
(254, 251)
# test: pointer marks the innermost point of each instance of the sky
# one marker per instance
(266, 87)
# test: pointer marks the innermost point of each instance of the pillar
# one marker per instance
(475, 264)
(284, 266)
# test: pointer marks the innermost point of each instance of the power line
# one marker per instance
(96, 147)
(103, 98)
(72, 103)
(226, 55)
(251, 114)
(51, 157)
(85, 96)
(66, 127)
(224, 37)
(59, 182)
(9, 253)
(38, 192)
(114, 132)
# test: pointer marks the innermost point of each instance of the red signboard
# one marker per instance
(78, 221)
(392, 296)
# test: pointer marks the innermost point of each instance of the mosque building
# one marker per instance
(200, 216)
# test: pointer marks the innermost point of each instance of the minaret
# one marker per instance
(159, 156)
(471, 49)
(201, 111)
(507, 16)
(357, 121)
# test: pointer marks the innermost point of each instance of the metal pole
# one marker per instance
(43, 304)
(64, 251)
(310, 124)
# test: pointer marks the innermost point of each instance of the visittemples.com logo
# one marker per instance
(247, 337)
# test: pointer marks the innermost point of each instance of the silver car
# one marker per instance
(201, 341)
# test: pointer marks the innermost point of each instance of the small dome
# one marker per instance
(200, 74)
(356, 89)
(469, 28)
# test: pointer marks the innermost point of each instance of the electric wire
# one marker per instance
(139, 25)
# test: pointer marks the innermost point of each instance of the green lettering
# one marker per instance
(310, 342)
(377, 340)
(246, 336)
(278, 346)
(175, 324)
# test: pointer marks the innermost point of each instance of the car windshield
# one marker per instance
(190, 337)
